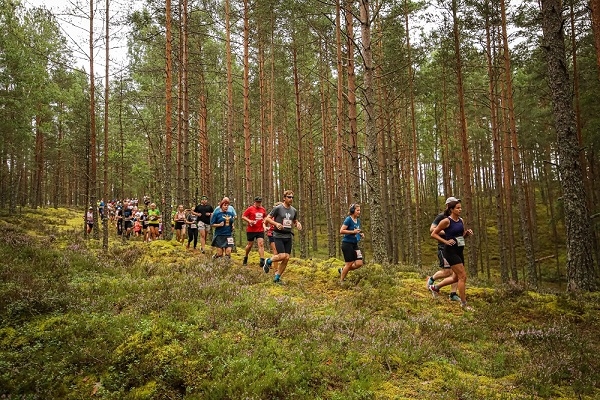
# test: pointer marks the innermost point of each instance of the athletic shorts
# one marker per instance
(271, 239)
(443, 262)
(128, 224)
(454, 254)
(283, 245)
(250, 236)
(90, 225)
(202, 226)
(351, 252)
(179, 225)
(221, 242)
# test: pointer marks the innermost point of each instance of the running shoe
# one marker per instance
(430, 281)
(434, 291)
(245, 262)
(261, 262)
(340, 271)
(267, 265)
(454, 297)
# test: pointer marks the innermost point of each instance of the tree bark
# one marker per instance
(581, 273)
(166, 206)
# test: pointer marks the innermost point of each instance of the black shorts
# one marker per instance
(179, 225)
(283, 245)
(454, 254)
(271, 239)
(90, 225)
(128, 224)
(351, 252)
(222, 242)
(443, 263)
(251, 236)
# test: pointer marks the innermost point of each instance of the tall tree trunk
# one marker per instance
(415, 143)
(581, 274)
(205, 170)
(246, 83)
(229, 162)
(166, 206)
(595, 7)
(300, 151)
(105, 166)
(93, 166)
(497, 153)
(372, 138)
(339, 164)
(185, 104)
(36, 199)
(466, 160)
(329, 184)
(526, 233)
(354, 181)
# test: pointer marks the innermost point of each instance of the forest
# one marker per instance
(395, 105)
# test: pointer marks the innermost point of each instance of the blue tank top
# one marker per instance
(456, 228)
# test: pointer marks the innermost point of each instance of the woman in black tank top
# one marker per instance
(454, 244)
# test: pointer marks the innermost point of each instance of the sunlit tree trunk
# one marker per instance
(581, 272)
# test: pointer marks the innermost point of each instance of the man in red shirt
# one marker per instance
(254, 217)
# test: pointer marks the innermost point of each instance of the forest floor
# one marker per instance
(156, 321)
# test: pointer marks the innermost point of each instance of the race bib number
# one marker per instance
(230, 241)
(194, 226)
(259, 216)
(460, 241)
(287, 223)
(358, 255)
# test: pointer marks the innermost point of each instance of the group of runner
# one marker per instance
(447, 228)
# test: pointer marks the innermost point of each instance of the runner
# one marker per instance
(454, 245)
(445, 270)
(203, 211)
(191, 222)
(254, 216)
(127, 219)
(352, 235)
(222, 220)
(153, 222)
(179, 219)
(284, 217)
(89, 220)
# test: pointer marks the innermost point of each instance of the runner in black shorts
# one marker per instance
(445, 270)
(352, 234)
(454, 245)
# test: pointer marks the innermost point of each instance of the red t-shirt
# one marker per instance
(257, 214)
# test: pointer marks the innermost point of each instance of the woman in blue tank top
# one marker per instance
(454, 244)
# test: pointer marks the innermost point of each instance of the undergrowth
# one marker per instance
(154, 321)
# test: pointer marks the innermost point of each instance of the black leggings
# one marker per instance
(192, 235)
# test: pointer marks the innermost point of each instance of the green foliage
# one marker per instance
(152, 320)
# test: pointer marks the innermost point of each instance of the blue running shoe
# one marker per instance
(430, 281)
(267, 265)
(454, 297)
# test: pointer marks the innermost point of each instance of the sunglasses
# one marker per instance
(290, 197)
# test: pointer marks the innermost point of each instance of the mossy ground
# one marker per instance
(155, 320)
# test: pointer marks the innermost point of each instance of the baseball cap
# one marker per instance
(451, 199)
(258, 198)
